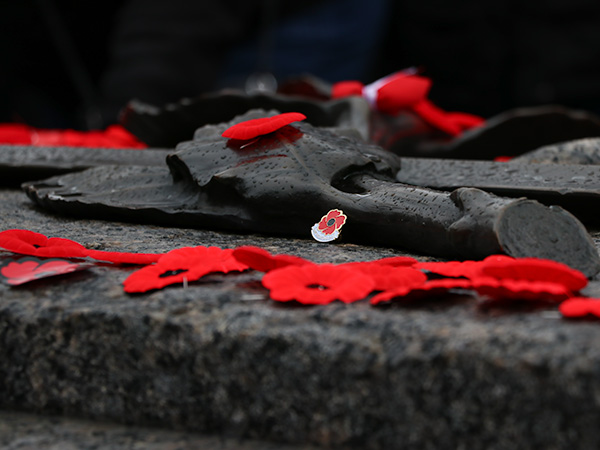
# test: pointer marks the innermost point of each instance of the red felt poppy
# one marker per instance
(317, 284)
(16, 273)
(181, 266)
(251, 129)
(387, 277)
(512, 289)
(28, 242)
(429, 289)
(400, 91)
(332, 221)
(467, 269)
(580, 307)
(260, 259)
(533, 269)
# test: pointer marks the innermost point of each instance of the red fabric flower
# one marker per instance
(429, 288)
(114, 136)
(391, 94)
(533, 269)
(16, 273)
(181, 266)
(27, 242)
(467, 269)
(259, 259)
(387, 277)
(580, 307)
(511, 289)
(332, 221)
(258, 127)
(317, 284)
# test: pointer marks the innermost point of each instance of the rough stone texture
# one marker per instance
(220, 357)
(19, 431)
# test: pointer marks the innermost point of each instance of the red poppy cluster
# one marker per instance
(499, 278)
(407, 91)
(114, 136)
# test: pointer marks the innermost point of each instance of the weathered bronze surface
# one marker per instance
(576, 187)
(284, 182)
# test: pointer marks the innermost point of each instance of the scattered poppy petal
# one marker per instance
(533, 269)
(260, 259)
(251, 129)
(580, 307)
(429, 288)
(181, 266)
(317, 284)
(16, 273)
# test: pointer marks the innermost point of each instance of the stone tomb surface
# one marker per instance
(219, 356)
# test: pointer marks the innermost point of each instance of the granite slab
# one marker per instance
(219, 356)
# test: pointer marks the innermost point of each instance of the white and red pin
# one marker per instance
(328, 228)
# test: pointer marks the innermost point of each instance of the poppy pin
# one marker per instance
(328, 228)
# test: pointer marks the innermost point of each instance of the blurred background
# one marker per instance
(73, 64)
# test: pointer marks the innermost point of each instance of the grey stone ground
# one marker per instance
(219, 357)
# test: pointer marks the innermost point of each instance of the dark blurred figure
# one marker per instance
(164, 50)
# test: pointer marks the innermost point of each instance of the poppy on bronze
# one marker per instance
(328, 228)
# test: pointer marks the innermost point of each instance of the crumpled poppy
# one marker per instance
(431, 288)
(390, 94)
(28, 242)
(253, 128)
(580, 307)
(317, 284)
(260, 259)
(182, 265)
(23, 271)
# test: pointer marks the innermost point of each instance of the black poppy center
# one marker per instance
(330, 222)
(317, 286)
(172, 273)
